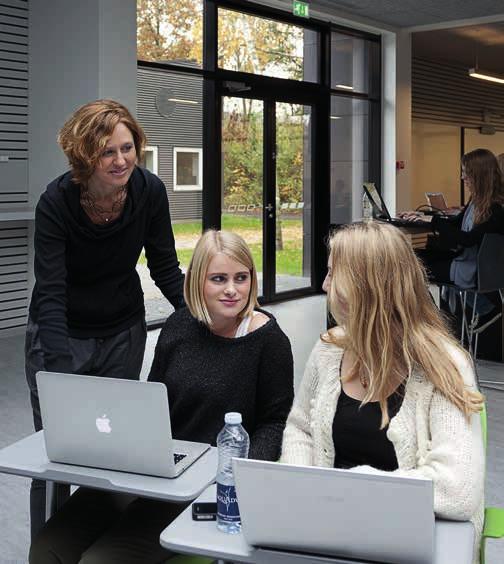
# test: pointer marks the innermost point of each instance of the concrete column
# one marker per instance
(403, 121)
(396, 120)
(79, 51)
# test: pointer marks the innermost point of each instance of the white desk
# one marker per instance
(453, 542)
(28, 457)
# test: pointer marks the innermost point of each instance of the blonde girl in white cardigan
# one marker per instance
(389, 387)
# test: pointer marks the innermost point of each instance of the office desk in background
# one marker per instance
(28, 457)
(453, 542)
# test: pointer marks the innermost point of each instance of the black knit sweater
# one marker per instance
(207, 376)
(86, 281)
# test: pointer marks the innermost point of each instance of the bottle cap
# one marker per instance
(233, 418)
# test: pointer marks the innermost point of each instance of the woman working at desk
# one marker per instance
(220, 354)
(454, 257)
(389, 388)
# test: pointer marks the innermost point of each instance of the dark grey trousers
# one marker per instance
(100, 527)
(117, 356)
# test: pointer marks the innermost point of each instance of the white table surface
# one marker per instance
(453, 542)
(28, 457)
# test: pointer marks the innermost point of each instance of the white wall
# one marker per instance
(435, 161)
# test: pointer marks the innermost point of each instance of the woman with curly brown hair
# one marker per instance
(87, 310)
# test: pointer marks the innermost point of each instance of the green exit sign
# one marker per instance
(301, 9)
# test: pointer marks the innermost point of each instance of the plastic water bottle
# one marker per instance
(367, 210)
(233, 442)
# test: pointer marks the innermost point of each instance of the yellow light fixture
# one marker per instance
(484, 75)
(181, 101)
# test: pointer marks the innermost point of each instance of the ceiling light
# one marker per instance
(180, 101)
(335, 117)
(484, 75)
(345, 86)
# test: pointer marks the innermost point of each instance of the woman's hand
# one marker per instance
(414, 216)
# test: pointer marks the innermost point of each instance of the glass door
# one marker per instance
(266, 188)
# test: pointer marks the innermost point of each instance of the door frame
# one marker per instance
(319, 217)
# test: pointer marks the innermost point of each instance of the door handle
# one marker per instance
(269, 207)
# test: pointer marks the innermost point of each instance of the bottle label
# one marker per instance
(227, 504)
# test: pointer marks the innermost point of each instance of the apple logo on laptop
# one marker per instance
(103, 424)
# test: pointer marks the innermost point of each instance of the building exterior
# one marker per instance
(169, 108)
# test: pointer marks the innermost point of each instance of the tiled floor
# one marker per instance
(302, 320)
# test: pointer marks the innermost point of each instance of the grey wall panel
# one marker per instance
(445, 93)
(14, 270)
(182, 128)
(13, 275)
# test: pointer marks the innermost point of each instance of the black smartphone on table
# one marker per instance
(202, 511)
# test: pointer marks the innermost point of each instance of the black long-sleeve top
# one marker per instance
(86, 283)
(206, 376)
(450, 231)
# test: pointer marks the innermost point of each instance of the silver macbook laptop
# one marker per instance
(111, 423)
(338, 512)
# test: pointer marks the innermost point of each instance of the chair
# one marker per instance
(494, 516)
(490, 278)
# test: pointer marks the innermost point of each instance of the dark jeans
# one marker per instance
(117, 356)
(100, 527)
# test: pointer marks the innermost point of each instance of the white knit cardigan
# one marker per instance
(431, 437)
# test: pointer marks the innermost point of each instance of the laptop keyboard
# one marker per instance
(177, 457)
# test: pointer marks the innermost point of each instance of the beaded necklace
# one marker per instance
(98, 214)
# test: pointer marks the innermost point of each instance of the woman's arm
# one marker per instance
(455, 461)
(160, 248)
(453, 236)
(297, 446)
(275, 391)
(51, 280)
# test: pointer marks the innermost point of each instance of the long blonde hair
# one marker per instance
(378, 293)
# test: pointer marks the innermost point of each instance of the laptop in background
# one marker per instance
(371, 517)
(380, 210)
(111, 423)
(436, 201)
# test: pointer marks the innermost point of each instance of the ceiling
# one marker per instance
(409, 13)
(465, 46)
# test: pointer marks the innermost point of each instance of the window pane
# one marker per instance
(168, 126)
(293, 197)
(266, 47)
(349, 157)
(242, 172)
(170, 32)
(187, 169)
(350, 63)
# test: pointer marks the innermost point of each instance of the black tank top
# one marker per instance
(357, 436)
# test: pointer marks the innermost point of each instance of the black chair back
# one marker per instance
(491, 263)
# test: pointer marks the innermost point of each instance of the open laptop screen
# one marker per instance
(379, 208)
(436, 200)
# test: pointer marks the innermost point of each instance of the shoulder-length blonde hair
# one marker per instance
(85, 135)
(211, 243)
(483, 170)
(378, 293)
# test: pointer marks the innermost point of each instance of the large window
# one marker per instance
(349, 157)
(262, 46)
(259, 122)
(170, 31)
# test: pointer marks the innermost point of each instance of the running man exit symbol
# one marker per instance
(301, 9)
